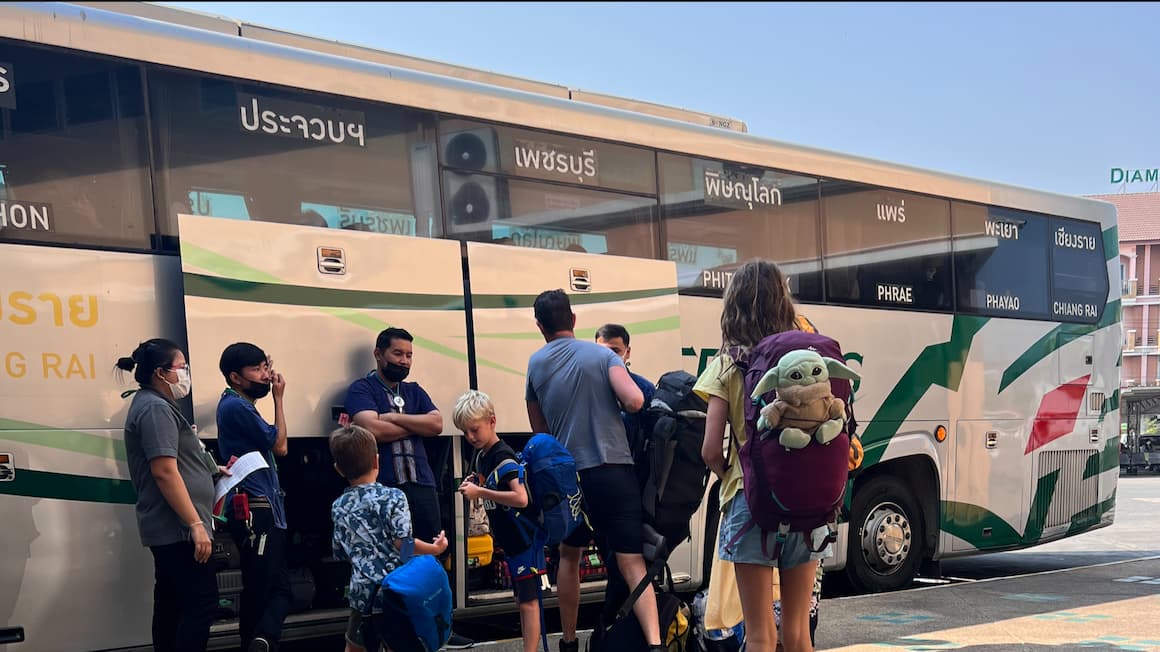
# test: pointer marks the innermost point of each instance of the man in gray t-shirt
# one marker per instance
(569, 379)
(575, 391)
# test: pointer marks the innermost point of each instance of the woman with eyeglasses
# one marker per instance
(174, 478)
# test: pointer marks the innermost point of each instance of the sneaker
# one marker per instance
(458, 642)
(259, 644)
(570, 646)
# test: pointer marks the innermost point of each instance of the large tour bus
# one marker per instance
(167, 173)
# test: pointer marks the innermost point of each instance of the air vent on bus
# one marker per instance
(1073, 493)
(1095, 402)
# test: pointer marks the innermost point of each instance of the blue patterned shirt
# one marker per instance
(368, 518)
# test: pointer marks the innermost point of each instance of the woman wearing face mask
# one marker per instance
(174, 478)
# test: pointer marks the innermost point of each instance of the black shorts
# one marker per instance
(612, 502)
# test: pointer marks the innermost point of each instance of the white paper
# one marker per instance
(243, 466)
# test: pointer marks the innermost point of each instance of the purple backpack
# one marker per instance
(791, 490)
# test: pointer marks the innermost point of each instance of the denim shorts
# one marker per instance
(747, 549)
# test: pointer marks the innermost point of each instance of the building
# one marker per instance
(1139, 230)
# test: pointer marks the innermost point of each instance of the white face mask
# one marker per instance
(184, 383)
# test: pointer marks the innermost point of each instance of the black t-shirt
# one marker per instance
(504, 529)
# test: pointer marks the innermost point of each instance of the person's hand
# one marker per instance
(278, 382)
(470, 489)
(224, 470)
(440, 542)
(202, 544)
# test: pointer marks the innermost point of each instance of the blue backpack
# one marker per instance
(416, 615)
(556, 502)
(555, 505)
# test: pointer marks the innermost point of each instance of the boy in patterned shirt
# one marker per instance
(371, 521)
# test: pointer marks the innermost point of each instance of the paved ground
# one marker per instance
(1067, 595)
(1114, 606)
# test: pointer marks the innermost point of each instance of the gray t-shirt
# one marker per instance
(569, 379)
(154, 427)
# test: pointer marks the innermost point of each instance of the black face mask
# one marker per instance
(395, 373)
(256, 390)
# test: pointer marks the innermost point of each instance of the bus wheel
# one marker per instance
(886, 536)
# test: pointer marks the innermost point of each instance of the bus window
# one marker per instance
(354, 218)
(1079, 277)
(293, 157)
(717, 215)
(216, 204)
(74, 155)
(886, 248)
(488, 208)
(1001, 262)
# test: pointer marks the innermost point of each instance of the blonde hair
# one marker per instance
(472, 406)
(353, 449)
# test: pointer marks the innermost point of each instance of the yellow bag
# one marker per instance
(723, 601)
(677, 637)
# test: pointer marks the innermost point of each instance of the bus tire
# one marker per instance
(886, 535)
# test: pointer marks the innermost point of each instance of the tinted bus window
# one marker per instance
(475, 147)
(886, 248)
(717, 215)
(252, 152)
(1079, 276)
(487, 208)
(73, 154)
(1001, 263)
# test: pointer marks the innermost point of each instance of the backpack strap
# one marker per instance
(505, 467)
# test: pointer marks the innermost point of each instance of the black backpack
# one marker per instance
(669, 467)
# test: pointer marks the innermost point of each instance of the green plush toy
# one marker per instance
(804, 406)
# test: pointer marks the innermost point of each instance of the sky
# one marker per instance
(1049, 96)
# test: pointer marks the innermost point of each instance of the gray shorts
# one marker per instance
(747, 549)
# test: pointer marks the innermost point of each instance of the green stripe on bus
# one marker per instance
(62, 486)
(1110, 403)
(1111, 243)
(1051, 341)
(938, 364)
(1090, 517)
(216, 287)
(967, 521)
(35, 434)
(222, 265)
(1105, 460)
(522, 301)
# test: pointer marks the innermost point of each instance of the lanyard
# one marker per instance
(396, 397)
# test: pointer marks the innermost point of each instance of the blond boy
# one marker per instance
(499, 481)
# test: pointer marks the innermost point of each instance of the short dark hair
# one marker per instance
(611, 332)
(554, 311)
(353, 449)
(149, 356)
(238, 356)
(384, 339)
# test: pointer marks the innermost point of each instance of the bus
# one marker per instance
(167, 173)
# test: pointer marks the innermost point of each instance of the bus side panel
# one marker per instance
(639, 294)
(74, 568)
(314, 300)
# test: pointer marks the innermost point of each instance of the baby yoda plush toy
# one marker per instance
(804, 406)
